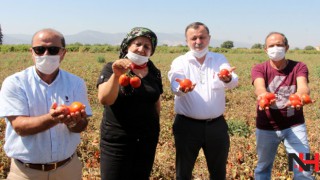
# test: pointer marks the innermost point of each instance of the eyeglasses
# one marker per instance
(40, 50)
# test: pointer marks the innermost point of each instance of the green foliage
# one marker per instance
(227, 45)
(238, 128)
(172, 49)
(181, 49)
(257, 46)
(84, 48)
(309, 48)
(72, 48)
(101, 59)
(1, 35)
(318, 71)
(77, 44)
(15, 48)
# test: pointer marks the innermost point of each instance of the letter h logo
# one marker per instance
(304, 165)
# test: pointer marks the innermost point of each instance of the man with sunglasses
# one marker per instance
(41, 138)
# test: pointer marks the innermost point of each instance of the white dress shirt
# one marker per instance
(25, 94)
(207, 100)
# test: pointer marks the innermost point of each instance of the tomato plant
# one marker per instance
(76, 106)
(124, 80)
(135, 82)
(264, 103)
(185, 83)
(224, 72)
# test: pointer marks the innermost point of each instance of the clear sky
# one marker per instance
(247, 21)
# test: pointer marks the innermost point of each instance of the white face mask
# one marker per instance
(137, 59)
(47, 64)
(199, 54)
(276, 53)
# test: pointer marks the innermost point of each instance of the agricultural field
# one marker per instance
(240, 114)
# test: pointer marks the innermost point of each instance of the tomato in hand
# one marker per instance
(306, 99)
(64, 109)
(135, 82)
(76, 106)
(270, 96)
(124, 80)
(224, 72)
(294, 97)
(264, 103)
(296, 103)
(185, 83)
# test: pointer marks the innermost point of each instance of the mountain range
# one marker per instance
(96, 37)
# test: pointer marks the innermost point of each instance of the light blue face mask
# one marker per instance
(136, 58)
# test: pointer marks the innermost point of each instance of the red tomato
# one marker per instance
(224, 72)
(306, 99)
(185, 83)
(124, 80)
(64, 109)
(270, 96)
(135, 82)
(264, 102)
(294, 97)
(296, 103)
(76, 106)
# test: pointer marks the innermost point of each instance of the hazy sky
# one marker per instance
(247, 21)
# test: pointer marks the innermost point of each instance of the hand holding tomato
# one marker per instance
(77, 113)
(76, 107)
(69, 115)
(57, 113)
(265, 100)
(271, 97)
(264, 103)
(64, 109)
(306, 99)
(225, 75)
(295, 101)
(120, 66)
(185, 85)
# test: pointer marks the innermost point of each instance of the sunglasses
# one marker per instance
(40, 50)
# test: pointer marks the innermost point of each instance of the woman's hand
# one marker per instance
(121, 66)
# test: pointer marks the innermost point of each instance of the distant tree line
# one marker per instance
(1, 35)
(104, 48)
(78, 47)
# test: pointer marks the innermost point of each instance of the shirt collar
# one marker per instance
(37, 77)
